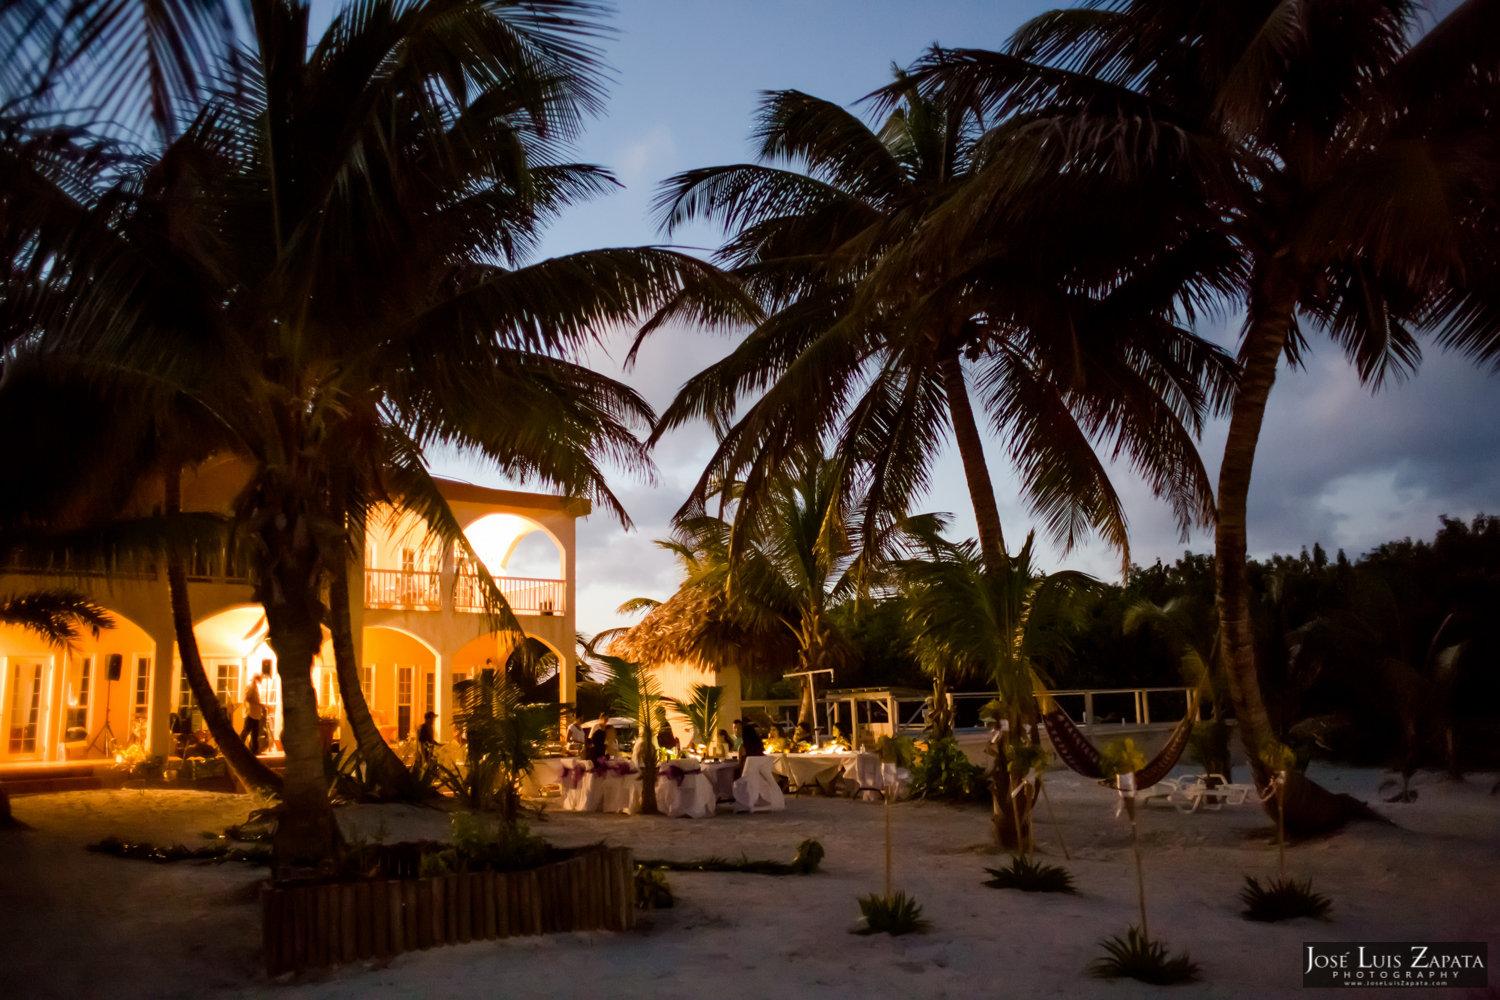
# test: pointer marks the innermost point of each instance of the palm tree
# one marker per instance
(863, 350)
(326, 261)
(1351, 167)
(501, 733)
(1190, 630)
(966, 619)
(796, 560)
(634, 694)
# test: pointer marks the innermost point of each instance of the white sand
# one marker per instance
(77, 925)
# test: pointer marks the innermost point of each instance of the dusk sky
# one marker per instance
(1336, 465)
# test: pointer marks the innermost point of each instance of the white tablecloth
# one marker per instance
(808, 768)
(612, 786)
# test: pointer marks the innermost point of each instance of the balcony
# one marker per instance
(525, 595)
(415, 590)
(406, 589)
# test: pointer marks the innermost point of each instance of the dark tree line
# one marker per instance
(1378, 659)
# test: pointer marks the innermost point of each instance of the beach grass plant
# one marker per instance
(1282, 899)
(652, 890)
(1136, 956)
(893, 914)
(1029, 876)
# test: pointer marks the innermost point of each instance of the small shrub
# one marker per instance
(1282, 899)
(1028, 876)
(809, 857)
(652, 892)
(895, 914)
(941, 770)
(1136, 957)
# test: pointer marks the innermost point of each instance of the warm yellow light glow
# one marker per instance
(494, 538)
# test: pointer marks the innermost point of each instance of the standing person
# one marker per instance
(427, 743)
(255, 713)
(594, 748)
(576, 735)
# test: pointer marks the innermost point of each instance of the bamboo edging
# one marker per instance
(310, 927)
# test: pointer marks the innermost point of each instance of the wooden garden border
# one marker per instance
(313, 926)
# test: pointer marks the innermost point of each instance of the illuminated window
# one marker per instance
(142, 685)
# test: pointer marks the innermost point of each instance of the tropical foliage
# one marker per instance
(1002, 624)
(1344, 170)
(58, 616)
(501, 736)
(327, 265)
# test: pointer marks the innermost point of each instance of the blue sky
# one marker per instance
(1336, 465)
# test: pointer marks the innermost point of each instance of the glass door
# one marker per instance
(403, 702)
(25, 707)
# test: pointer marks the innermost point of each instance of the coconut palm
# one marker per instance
(795, 561)
(328, 261)
(1352, 168)
(965, 619)
(864, 352)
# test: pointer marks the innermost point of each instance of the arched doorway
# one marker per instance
(233, 646)
(75, 702)
(398, 675)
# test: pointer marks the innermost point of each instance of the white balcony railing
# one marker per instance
(397, 588)
(422, 591)
(525, 595)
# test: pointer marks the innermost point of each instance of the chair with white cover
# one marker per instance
(864, 770)
(756, 789)
(617, 783)
(576, 779)
(684, 790)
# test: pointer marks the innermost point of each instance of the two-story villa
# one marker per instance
(418, 630)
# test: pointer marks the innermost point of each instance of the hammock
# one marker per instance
(1079, 754)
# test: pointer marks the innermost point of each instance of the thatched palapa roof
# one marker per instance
(696, 628)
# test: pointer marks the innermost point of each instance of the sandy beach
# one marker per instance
(80, 925)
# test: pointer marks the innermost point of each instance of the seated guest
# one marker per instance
(665, 738)
(750, 743)
(721, 746)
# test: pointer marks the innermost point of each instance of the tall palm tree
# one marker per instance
(328, 260)
(863, 351)
(1352, 168)
(967, 619)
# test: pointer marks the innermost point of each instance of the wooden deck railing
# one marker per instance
(422, 591)
(525, 595)
(397, 588)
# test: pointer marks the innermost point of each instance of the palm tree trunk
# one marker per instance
(251, 772)
(1272, 308)
(1308, 807)
(392, 779)
(307, 834)
(976, 470)
(648, 775)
